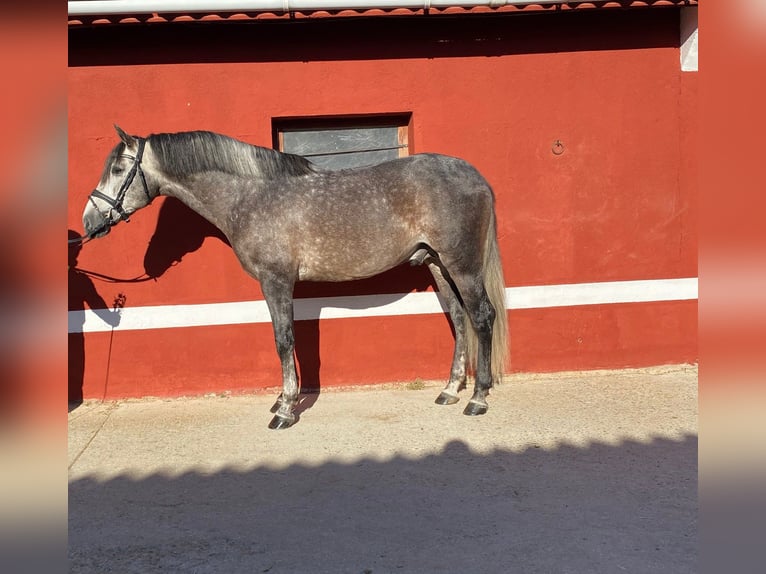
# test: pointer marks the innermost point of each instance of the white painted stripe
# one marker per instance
(601, 293)
(241, 312)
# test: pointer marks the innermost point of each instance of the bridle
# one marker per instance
(115, 203)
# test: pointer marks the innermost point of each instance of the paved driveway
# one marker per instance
(582, 473)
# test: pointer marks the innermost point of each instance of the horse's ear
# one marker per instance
(127, 139)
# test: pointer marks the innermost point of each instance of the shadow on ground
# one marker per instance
(625, 508)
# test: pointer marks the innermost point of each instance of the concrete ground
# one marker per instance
(567, 473)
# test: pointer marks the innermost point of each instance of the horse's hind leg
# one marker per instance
(457, 377)
(279, 298)
(481, 313)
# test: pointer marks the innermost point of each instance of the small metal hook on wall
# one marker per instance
(558, 147)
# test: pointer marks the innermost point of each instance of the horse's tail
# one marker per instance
(494, 284)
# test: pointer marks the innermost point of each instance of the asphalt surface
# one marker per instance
(567, 473)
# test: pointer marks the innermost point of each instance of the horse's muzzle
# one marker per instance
(96, 225)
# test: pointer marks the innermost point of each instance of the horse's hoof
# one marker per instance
(446, 399)
(473, 409)
(279, 423)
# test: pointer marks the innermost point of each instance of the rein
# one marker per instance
(110, 279)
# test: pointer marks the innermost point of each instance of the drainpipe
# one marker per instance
(104, 7)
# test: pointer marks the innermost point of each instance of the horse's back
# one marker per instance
(356, 223)
(423, 181)
(448, 188)
(437, 172)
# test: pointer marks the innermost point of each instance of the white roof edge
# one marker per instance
(106, 7)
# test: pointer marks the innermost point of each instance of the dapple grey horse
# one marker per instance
(288, 220)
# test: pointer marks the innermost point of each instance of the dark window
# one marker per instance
(344, 142)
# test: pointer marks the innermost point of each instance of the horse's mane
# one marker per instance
(186, 153)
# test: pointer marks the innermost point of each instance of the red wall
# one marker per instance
(618, 204)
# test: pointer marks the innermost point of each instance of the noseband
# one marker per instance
(116, 202)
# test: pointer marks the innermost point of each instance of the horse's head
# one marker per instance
(120, 192)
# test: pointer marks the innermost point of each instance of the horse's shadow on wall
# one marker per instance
(181, 231)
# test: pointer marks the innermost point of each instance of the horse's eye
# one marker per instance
(117, 170)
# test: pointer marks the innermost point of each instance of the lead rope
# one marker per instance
(82, 239)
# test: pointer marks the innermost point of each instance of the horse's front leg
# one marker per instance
(279, 298)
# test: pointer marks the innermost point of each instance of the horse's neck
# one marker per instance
(215, 202)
